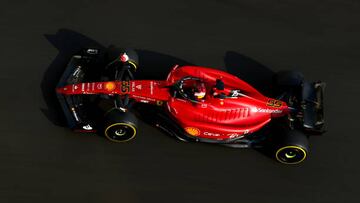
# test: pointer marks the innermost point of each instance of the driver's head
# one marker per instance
(199, 90)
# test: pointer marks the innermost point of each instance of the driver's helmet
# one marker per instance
(199, 90)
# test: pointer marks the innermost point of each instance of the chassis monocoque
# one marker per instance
(100, 94)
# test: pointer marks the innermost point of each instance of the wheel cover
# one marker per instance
(291, 154)
(120, 132)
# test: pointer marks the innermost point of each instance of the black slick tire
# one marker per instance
(119, 126)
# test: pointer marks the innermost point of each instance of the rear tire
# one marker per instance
(293, 148)
(119, 126)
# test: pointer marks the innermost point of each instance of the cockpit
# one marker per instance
(191, 88)
(196, 90)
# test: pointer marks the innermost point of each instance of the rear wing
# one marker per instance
(313, 107)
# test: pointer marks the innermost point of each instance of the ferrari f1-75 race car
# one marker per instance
(192, 104)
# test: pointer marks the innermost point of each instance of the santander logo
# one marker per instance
(265, 110)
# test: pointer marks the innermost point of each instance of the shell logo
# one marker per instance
(110, 86)
(192, 131)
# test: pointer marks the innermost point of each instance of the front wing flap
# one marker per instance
(72, 105)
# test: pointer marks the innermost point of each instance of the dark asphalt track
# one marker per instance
(43, 162)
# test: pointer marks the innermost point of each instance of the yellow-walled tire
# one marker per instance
(119, 126)
(291, 154)
(293, 149)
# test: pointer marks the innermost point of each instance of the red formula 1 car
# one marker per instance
(193, 104)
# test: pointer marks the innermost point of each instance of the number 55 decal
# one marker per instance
(274, 103)
(125, 87)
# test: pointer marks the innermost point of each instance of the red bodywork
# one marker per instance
(211, 118)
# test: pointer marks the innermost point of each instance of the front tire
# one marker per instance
(119, 126)
(133, 60)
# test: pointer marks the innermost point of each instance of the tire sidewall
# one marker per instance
(110, 132)
(119, 126)
(295, 141)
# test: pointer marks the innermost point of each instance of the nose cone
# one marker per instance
(61, 90)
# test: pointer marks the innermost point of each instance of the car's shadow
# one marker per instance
(156, 66)
(261, 78)
(249, 70)
(153, 65)
(67, 43)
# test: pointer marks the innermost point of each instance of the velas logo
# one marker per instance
(192, 131)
